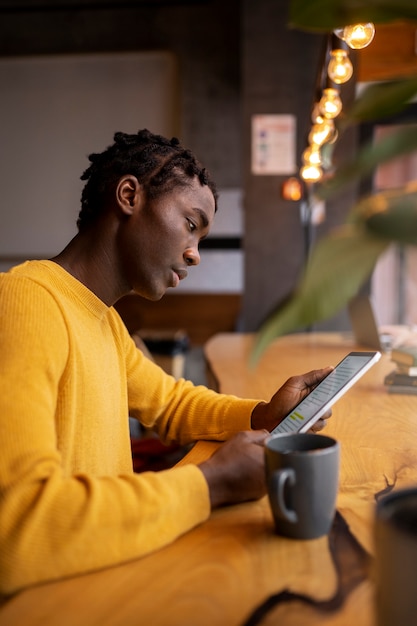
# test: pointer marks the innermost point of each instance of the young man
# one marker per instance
(71, 375)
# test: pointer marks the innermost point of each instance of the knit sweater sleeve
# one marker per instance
(179, 411)
(54, 523)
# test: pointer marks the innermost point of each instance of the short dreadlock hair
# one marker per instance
(159, 164)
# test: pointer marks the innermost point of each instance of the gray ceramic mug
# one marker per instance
(302, 473)
(396, 559)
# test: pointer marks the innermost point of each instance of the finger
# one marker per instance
(319, 425)
(311, 379)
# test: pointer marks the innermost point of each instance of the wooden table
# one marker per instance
(233, 570)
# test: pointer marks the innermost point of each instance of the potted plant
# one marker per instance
(342, 261)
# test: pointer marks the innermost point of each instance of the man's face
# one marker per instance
(160, 240)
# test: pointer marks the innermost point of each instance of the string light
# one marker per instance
(357, 36)
(316, 116)
(330, 103)
(339, 70)
(312, 155)
(311, 173)
(340, 67)
(321, 132)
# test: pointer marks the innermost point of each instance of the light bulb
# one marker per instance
(340, 68)
(311, 173)
(312, 155)
(292, 189)
(357, 36)
(320, 133)
(316, 116)
(330, 104)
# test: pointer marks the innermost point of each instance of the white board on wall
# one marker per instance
(54, 112)
(221, 270)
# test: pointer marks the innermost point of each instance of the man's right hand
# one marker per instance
(236, 471)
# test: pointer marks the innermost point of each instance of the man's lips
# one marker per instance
(181, 273)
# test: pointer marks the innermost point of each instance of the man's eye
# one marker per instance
(191, 225)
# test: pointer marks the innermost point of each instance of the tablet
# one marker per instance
(327, 392)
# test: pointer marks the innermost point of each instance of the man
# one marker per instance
(71, 375)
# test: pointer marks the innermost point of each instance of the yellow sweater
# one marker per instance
(70, 376)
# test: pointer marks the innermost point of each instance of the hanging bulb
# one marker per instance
(321, 132)
(330, 104)
(311, 173)
(312, 155)
(340, 68)
(316, 116)
(357, 36)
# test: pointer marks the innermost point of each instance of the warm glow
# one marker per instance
(316, 116)
(330, 104)
(292, 189)
(357, 36)
(340, 67)
(312, 155)
(311, 173)
(320, 133)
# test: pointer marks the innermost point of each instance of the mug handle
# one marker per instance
(279, 478)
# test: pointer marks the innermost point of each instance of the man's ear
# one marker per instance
(128, 194)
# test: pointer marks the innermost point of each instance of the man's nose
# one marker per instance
(192, 256)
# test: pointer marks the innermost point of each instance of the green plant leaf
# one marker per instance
(326, 15)
(381, 100)
(339, 265)
(390, 214)
(395, 144)
(342, 261)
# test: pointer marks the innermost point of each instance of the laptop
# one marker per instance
(364, 326)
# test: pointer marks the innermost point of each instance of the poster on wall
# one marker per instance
(273, 144)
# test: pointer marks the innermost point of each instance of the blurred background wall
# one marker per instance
(75, 71)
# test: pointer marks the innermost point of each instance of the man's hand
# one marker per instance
(267, 415)
(236, 471)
